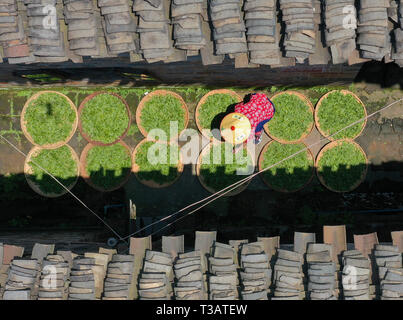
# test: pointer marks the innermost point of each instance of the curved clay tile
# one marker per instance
(336, 236)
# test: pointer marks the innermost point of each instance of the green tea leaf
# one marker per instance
(104, 118)
(58, 162)
(293, 118)
(338, 111)
(49, 119)
(108, 166)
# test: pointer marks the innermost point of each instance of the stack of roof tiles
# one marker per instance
(321, 272)
(68, 256)
(12, 35)
(261, 23)
(138, 247)
(54, 281)
(82, 27)
(23, 277)
(82, 284)
(299, 28)
(223, 276)
(189, 270)
(120, 279)
(98, 268)
(228, 27)
(237, 245)
(204, 241)
(39, 252)
(157, 276)
(301, 241)
(288, 275)
(118, 25)
(389, 262)
(341, 23)
(322, 53)
(356, 276)
(154, 286)
(374, 39)
(256, 272)
(7, 254)
(155, 35)
(187, 21)
(397, 54)
(45, 37)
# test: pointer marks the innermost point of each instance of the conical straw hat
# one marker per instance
(235, 128)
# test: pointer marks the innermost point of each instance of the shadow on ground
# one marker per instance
(193, 72)
(258, 211)
(386, 75)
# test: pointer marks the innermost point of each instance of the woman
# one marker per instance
(248, 120)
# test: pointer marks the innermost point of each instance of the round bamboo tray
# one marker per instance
(309, 129)
(261, 159)
(150, 183)
(82, 107)
(335, 144)
(203, 153)
(156, 93)
(318, 105)
(86, 176)
(203, 100)
(24, 122)
(28, 172)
